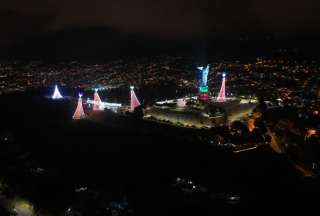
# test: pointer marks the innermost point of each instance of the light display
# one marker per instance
(105, 105)
(79, 113)
(203, 83)
(97, 101)
(203, 89)
(134, 102)
(56, 93)
(222, 94)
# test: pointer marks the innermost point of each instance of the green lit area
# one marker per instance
(204, 89)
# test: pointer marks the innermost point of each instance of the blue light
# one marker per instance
(203, 75)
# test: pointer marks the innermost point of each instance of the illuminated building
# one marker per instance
(56, 94)
(185, 117)
(200, 115)
(203, 94)
(181, 102)
(97, 101)
(222, 94)
(134, 102)
(79, 113)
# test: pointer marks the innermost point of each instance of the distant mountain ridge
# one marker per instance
(105, 43)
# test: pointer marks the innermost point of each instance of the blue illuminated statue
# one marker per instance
(203, 78)
(203, 82)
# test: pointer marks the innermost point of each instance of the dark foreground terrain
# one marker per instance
(47, 158)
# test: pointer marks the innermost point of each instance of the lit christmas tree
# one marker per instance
(222, 94)
(134, 102)
(97, 101)
(79, 113)
(56, 93)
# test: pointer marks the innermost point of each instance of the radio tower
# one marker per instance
(222, 94)
(79, 113)
(56, 93)
(97, 101)
(134, 102)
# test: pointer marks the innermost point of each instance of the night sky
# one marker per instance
(163, 18)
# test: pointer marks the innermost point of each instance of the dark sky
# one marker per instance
(166, 18)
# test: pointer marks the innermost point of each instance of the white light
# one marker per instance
(56, 94)
(131, 87)
(224, 75)
(105, 104)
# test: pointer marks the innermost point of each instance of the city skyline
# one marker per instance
(164, 107)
